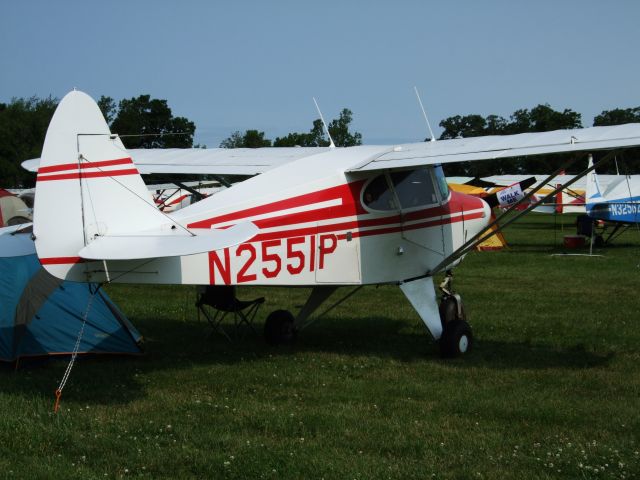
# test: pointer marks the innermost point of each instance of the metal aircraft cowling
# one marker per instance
(320, 218)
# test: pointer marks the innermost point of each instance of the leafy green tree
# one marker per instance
(539, 119)
(108, 108)
(473, 126)
(628, 161)
(543, 119)
(150, 122)
(24, 122)
(250, 139)
(617, 116)
(495, 125)
(293, 140)
(338, 128)
(235, 140)
(23, 125)
(463, 127)
(315, 138)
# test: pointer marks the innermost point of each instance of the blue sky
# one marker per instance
(256, 64)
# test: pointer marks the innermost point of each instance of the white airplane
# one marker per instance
(616, 201)
(317, 217)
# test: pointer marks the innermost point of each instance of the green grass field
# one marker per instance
(551, 390)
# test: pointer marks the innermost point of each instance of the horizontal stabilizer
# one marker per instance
(133, 247)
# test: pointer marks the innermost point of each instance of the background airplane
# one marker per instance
(616, 201)
(613, 205)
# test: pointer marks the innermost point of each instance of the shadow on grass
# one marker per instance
(524, 355)
(179, 345)
(382, 337)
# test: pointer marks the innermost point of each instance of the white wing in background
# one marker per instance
(504, 146)
(209, 161)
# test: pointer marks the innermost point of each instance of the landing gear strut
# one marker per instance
(457, 337)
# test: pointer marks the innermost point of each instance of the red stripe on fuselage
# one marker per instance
(75, 166)
(348, 193)
(350, 206)
(61, 260)
(332, 213)
(356, 225)
(77, 175)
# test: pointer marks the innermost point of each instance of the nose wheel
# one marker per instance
(457, 337)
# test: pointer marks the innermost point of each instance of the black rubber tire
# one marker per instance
(279, 328)
(456, 340)
(448, 309)
(598, 241)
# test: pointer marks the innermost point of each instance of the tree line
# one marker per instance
(145, 122)
(338, 129)
(24, 122)
(541, 118)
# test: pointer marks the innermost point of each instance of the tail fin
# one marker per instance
(593, 193)
(87, 186)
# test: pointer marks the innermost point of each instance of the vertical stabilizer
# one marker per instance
(87, 186)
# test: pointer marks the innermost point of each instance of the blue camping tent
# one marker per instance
(42, 315)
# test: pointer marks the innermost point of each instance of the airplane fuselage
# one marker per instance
(317, 225)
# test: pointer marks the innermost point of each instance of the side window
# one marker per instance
(414, 187)
(378, 196)
(442, 182)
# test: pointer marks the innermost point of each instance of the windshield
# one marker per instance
(414, 187)
(441, 180)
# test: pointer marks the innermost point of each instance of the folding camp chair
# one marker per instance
(217, 301)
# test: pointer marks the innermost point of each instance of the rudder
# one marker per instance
(87, 186)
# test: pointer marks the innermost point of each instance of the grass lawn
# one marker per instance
(551, 390)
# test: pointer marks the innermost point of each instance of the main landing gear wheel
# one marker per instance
(457, 339)
(280, 328)
(448, 309)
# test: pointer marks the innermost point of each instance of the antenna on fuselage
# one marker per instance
(326, 129)
(433, 138)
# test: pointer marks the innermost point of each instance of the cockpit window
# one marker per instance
(378, 195)
(414, 187)
(442, 181)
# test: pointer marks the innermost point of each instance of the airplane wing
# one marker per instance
(252, 161)
(504, 146)
(209, 161)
